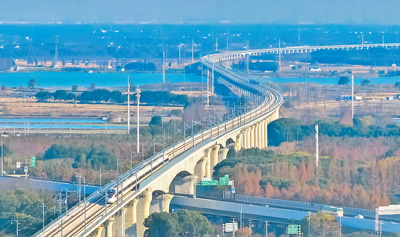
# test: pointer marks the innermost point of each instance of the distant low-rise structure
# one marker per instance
(315, 69)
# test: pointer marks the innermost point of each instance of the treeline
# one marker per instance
(6, 64)
(372, 57)
(181, 223)
(295, 176)
(289, 129)
(86, 157)
(103, 95)
(256, 66)
(57, 95)
(25, 206)
(141, 66)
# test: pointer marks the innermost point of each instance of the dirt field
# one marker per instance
(29, 107)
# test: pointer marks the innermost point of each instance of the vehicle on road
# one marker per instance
(359, 217)
(332, 210)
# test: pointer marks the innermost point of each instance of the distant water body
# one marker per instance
(331, 81)
(67, 79)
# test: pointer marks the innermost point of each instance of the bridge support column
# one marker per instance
(249, 138)
(200, 168)
(257, 135)
(275, 115)
(244, 143)
(214, 157)
(99, 231)
(131, 218)
(119, 229)
(239, 142)
(110, 224)
(208, 167)
(262, 131)
(166, 198)
(222, 154)
(252, 136)
(143, 211)
(192, 186)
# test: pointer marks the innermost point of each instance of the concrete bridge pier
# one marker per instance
(110, 224)
(256, 136)
(200, 168)
(207, 158)
(98, 232)
(192, 187)
(143, 211)
(252, 136)
(246, 142)
(161, 203)
(130, 219)
(239, 142)
(119, 228)
(213, 157)
(222, 154)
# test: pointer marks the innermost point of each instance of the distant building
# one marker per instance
(315, 69)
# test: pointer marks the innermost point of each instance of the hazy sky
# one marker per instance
(207, 11)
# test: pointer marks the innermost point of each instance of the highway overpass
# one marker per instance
(243, 211)
(193, 158)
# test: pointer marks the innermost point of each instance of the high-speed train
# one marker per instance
(132, 183)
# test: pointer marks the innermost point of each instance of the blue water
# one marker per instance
(56, 123)
(51, 120)
(331, 81)
(67, 79)
(60, 126)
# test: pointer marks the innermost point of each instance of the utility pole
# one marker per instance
(234, 230)
(250, 227)
(247, 60)
(100, 176)
(280, 57)
(208, 88)
(43, 215)
(2, 151)
(154, 145)
(129, 109)
(179, 58)
(216, 44)
(16, 222)
(212, 80)
(316, 146)
(352, 97)
(227, 44)
(163, 67)
(137, 122)
(142, 153)
(266, 228)
(56, 51)
(84, 197)
(362, 39)
(202, 84)
(192, 52)
(131, 159)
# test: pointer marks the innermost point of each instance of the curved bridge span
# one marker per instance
(149, 186)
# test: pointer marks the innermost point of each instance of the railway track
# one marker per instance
(95, 207)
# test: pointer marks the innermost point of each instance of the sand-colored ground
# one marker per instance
(29, 107)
